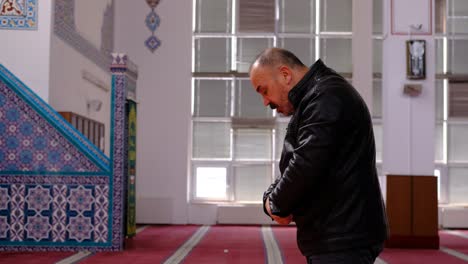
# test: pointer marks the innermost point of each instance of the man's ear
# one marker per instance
(286, 73)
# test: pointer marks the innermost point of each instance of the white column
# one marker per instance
(362, 52)
(408, 122)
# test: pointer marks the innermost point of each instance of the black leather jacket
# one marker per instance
(329, 180)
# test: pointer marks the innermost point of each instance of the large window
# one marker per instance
(451, 142)
(237, 141)
(377, 80)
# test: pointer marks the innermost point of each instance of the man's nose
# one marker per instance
(265, 101)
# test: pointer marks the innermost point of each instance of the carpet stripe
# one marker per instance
(84, 254)
(273, 252)
(75, 258)
(454, 253)
(456, 233)
(141, 228)
(380, 261)
(185, 249)
(287, 242)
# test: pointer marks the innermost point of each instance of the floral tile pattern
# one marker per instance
(18, 14)
(30, 143)
(57, 213)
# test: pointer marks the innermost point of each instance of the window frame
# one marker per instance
(234, 75)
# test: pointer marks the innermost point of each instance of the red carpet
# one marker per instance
(32, 257)
(152, 245)
(395, 256)
(244, 244)
(413, 256)
(231, 244)
(286, 239)
(454, 242)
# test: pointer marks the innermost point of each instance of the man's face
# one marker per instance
(272, 84)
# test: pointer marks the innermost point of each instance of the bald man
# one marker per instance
(328, 184)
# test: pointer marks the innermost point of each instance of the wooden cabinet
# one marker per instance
(412, 211)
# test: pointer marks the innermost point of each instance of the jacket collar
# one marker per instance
(298, 92)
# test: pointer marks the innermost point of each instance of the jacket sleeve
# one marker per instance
(316, 141)
(266, 194)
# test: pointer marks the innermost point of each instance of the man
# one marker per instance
(328, 182)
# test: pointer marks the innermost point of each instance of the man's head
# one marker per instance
(273, 74)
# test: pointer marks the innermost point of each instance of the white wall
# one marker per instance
(26, 52)
(88, 19)
(409, 122)
(69, 92)
(163, 92)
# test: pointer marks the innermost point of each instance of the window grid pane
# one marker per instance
(256, 15)
(458, 185)
(251, 181)
(211, 183)
(458, 144)
(377, 99)
(297, 16)
(377, 17)
(248, 49)
(212, 54)
(211, 140)
(336, 53)
(458, 50)
(212, 98)
(377, 58)
(378, 131)
(439, 145)
(252, 144)
(336, 15)
(213, 16)
(457, 17)
(439, 97)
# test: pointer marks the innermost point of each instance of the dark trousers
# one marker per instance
(352, 256)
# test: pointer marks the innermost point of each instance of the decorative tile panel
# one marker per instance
(39, 199)
(58, 191)
(18, 14)
(4, 227)
(17, 212)
(37, 227)
(59, 215)
(56, 188)
(4, 198)
(100, 215)
(17, 102)
(119, 83)
(55, 212)
(30, 143)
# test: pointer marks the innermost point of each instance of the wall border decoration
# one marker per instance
(152, 22)
(65, 29)
(18, 14)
